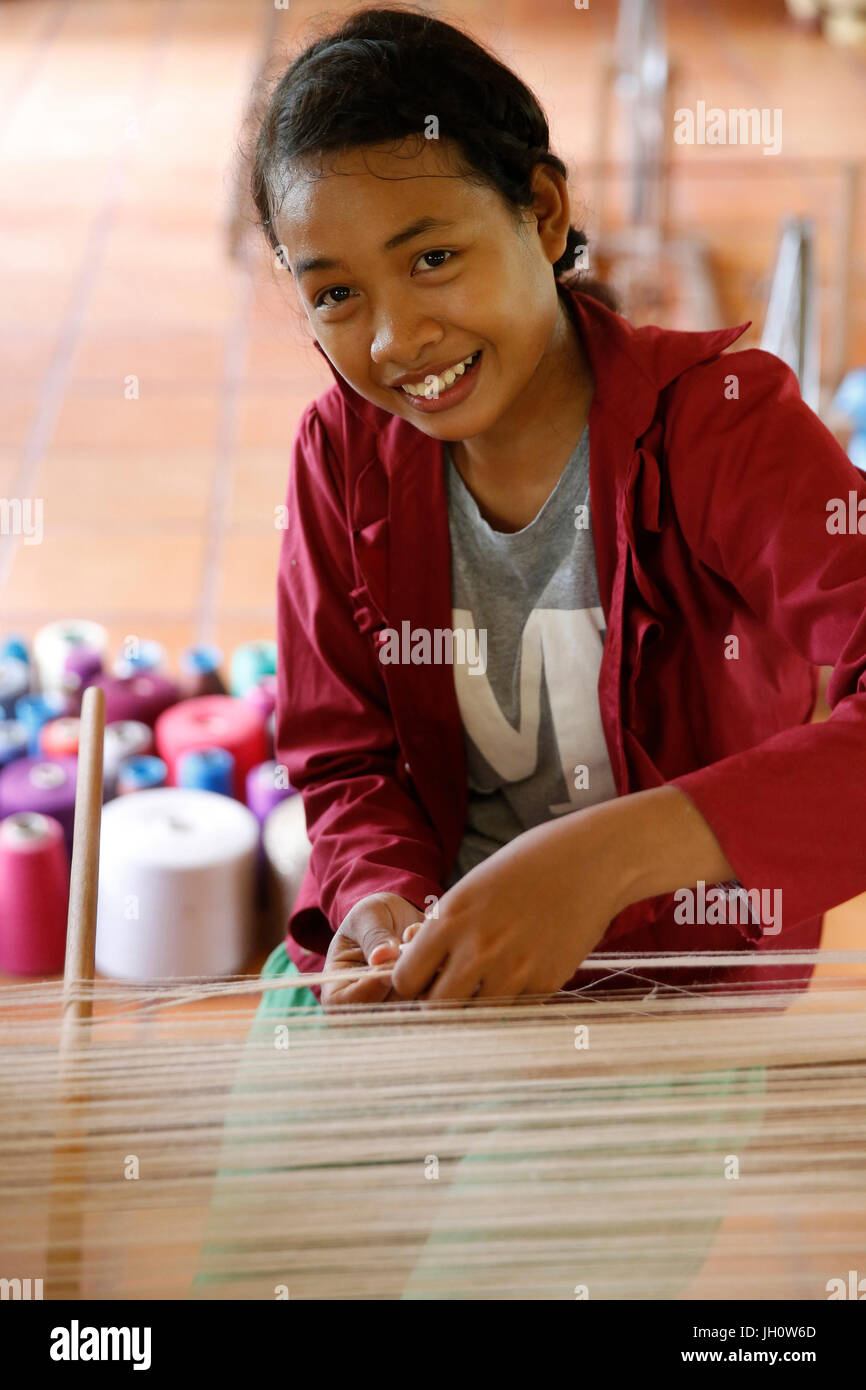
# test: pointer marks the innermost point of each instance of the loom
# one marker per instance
(703, 1143)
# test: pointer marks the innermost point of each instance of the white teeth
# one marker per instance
(439, 383)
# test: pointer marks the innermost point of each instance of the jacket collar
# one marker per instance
(630, 367)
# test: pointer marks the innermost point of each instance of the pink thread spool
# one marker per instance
(213, 721)
(140, 698)
(34, 894)
(263, 696)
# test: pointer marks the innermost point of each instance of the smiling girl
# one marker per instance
(628, 524)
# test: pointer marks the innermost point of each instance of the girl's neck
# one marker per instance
(513, 471)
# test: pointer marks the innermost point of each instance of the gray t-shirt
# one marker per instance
(528, 686)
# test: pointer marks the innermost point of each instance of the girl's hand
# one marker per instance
(522, 921)
(369, 934)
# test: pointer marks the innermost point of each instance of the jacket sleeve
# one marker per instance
(334, 730)
(789, 813)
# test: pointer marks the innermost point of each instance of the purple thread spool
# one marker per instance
(141, 697)
(45, 786)
(34, 894)
(14, 684)
(264, 792)
(267, 785)
(81, 666)
(13, 741)
(199, 672)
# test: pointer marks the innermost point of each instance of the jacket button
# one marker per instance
(407, 767)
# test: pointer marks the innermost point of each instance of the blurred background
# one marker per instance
(155, 361)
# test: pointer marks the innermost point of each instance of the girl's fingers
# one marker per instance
(418, 964)
(458, 981)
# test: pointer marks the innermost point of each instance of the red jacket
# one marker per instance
(709, 518)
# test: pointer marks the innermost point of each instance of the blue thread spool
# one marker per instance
(251, 662)
(13, 741)
(14, 683)
(850, 399)
(35, 710)
(150, 657)
(141, 774)
(200, 671)
(15, 647)
(207, 770)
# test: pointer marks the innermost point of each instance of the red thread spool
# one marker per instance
(59, 737)
(213, 721)
(34, 894)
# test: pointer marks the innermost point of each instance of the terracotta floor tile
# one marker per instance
(113, 573)
(154, 421)
(270, 421)
(259, 482)
(249, 572)
(166, 358)
(133, 488)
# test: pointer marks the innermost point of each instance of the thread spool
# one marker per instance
(263, 696)
(209, 769)
(267, 785)
(287, 854)
(13, 741)
(35, 711)
(141, 697)
(34, 894)
(250, 663)
(213, 721)
(42, 785)
(149, 656)
(176, 885)
(124, 738)
(59, 737)
(80, 669)
(14, 683)
(140, 774)
(54, 643)
(200, 672)
(14, 646)
(83, 663)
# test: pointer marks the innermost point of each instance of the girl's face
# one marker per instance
(405, 269)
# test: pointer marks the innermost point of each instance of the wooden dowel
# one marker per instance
(81, 922)
(66, 1217)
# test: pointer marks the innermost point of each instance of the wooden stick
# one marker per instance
(81, 922)
(66, 1218)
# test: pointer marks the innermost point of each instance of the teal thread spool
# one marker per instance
(250, 663)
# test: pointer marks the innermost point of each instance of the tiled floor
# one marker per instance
(118, 126)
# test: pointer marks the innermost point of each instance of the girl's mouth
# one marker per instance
(442, 393)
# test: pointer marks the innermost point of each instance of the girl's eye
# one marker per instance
(435, 253)
(321, 303)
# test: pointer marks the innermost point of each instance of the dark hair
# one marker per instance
(378, 76)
